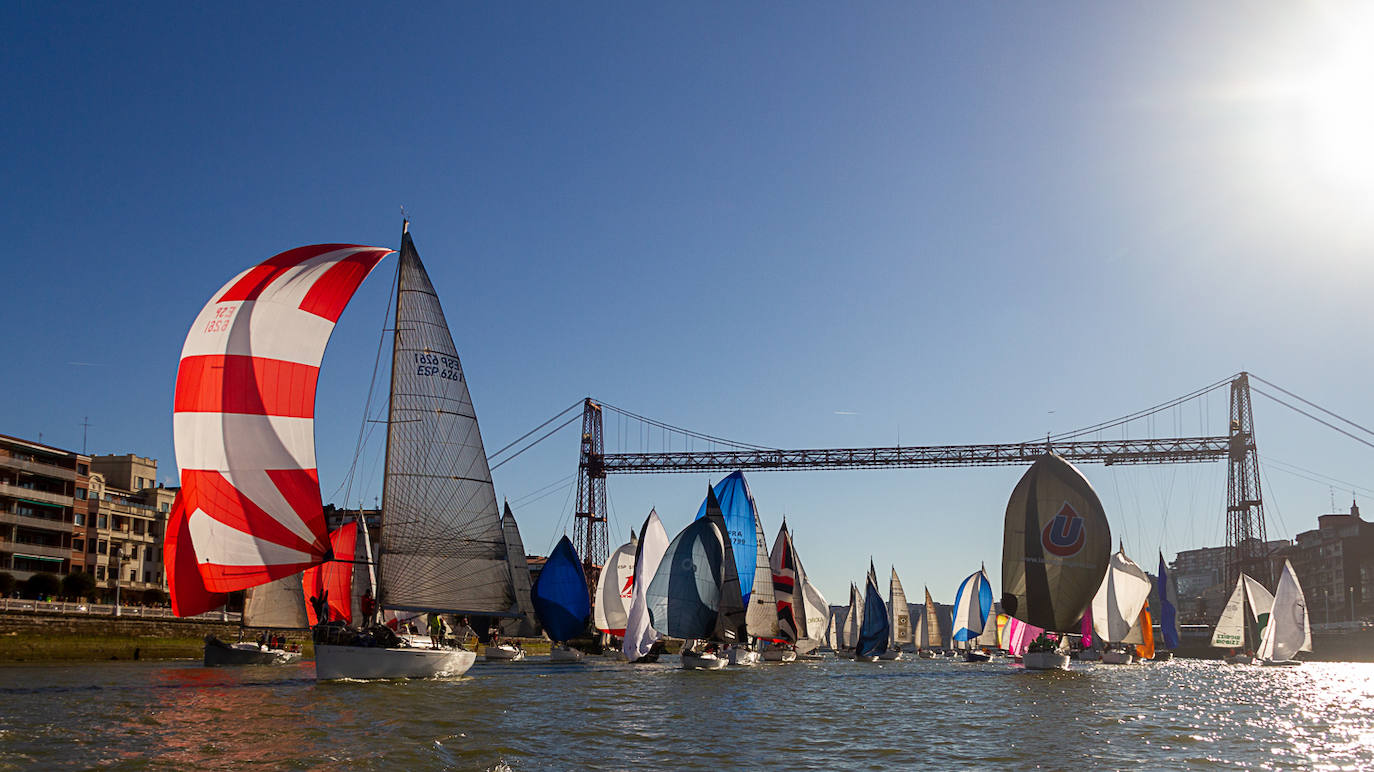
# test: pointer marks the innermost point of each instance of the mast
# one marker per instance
(391, 402)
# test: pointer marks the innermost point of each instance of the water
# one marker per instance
(807, 716)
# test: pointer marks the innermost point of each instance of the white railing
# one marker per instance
(108, 609)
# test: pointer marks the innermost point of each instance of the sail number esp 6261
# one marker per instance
(435, 364)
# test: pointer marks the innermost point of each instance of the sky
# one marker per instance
(791, 224)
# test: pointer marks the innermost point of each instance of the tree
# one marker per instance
(154, 597)
(7, 584)
(78, 586)
(41, 585)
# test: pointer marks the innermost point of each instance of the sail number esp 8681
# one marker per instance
(436, 364)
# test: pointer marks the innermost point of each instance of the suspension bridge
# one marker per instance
(1245, 521)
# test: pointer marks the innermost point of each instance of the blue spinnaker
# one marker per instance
(737, 507)
(560, 596)
(1168, 615)
(874, 632)
(972, 605)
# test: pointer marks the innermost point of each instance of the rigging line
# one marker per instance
(1360, 440)
(1311, 404)
(1138, 414)
(551, 432)
(560, 414)
(1326, 479)
(543, 488)
(1292, 470)
(680, 430)
(547, 493)
(371, 388)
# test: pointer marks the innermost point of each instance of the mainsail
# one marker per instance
(873, 630)
(1119, 598)
(653, 542)
(443, 548)
(1055, 546)
(1168, 605)
(930, 636)
(783, 563)
(527, 624)
(1230, 629)
(278, 604)
(249, 509)
(899, 611)
(560, 595)
(614, 589)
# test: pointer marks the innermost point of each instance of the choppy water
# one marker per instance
(826, 715)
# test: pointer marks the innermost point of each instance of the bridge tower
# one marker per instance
(1245, 536)
(589, 529)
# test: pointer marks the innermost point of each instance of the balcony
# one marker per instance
(42, 497)
(36, 550)
(40, 523)
(37, 467)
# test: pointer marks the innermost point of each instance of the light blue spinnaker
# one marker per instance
(1168, 606)
(560, 596)
(972, 605)
(874, 631)
(737, 507)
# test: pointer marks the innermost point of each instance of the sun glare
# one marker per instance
(1337, 108)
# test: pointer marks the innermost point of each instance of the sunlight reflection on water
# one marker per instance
(533, 716)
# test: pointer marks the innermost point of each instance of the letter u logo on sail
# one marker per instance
(1064, 536)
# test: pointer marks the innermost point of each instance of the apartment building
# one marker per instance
(42, 490)
(126, 522)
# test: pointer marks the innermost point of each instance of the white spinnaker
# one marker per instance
(639, 635)
(1117, 604)
(614, 589)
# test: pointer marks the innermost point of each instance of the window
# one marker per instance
(80, 494)
(82, 469)
(100, 573)
(163, 507)
(78, 545)
(102, 522)
(25, 509)
(138, 485)
(159, 555)
(133, 552)
(148, 576)
(133, 575)
(80, 518)
(104, 547)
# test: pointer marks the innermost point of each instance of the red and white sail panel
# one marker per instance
(244, 415)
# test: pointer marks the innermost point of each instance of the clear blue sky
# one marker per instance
(795, 224)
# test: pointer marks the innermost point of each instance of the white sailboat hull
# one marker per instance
(371, 662)
(744, 657)
(504, 653)
(779, 655)
(563, 654)
(702, 661)
(1045, 660)
(1116, 657)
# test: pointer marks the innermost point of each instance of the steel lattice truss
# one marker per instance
(1160, 451)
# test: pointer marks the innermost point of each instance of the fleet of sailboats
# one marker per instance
(249, 517)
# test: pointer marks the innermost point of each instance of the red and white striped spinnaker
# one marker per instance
(244, 424)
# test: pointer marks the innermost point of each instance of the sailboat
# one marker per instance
(695, 593)
(803, 613)
(852, 620)
(278, 605)
(1232, 630)
(561, 601)
(1055, 548)
(641, 643)
(1116, 607)
(250, 508)
(929, 637)
(871, 643)
(752, 566)
(1167, 589)
(972, 607)
(1288, 631)
(614, 589)
(899, 621)
(524, 623)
